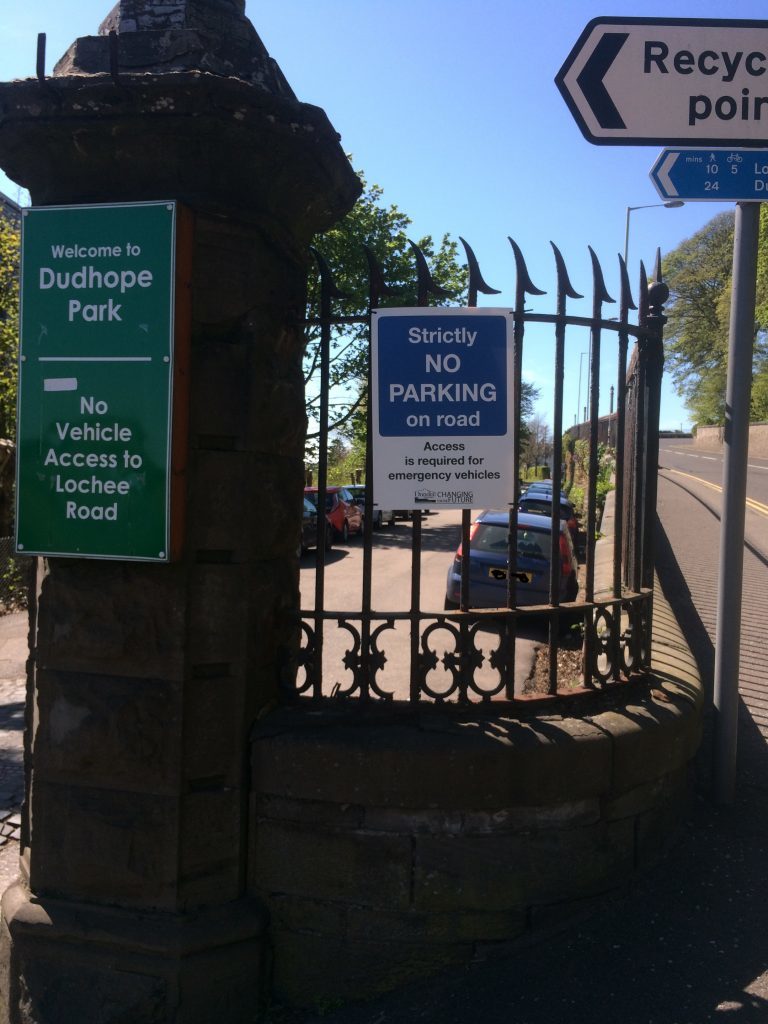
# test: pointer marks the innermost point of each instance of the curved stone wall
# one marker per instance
(388, 846)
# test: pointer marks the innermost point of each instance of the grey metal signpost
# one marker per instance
(693, 83)
(736, 438)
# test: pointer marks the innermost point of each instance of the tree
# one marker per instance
(9, 326)
(537, 446)
(698, 273)
(384, 230)
(9, 348)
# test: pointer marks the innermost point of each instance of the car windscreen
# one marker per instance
(492, 537)
(538, 505)
(543, 506)
(329, 500)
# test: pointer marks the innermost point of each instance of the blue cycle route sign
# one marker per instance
(717, 175)
(442, 407)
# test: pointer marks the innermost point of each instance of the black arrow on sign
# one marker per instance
(590, 80)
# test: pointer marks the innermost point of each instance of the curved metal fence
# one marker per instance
(468, 656)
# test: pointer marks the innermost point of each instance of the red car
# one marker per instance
(340, 510)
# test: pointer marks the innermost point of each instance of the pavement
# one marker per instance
(686, 943)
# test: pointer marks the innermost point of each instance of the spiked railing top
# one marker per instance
(600, 292)
(426, 285)
(476, 280)
(524, 286)
(625, 301)
(564, 287)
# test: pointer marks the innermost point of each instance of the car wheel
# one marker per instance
(345, 532)
(450, 606)
(378, 521)
(328, 537)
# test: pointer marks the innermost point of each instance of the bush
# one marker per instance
(13, 578)
(577, 476)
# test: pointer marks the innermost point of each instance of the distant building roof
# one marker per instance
(10, 210)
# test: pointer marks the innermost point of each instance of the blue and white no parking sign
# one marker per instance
(443, 408)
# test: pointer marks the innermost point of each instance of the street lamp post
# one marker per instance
(671, 204)
(578, 397)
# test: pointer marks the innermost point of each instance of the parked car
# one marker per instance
(342, 513)
(539, 503)
(379, 516)
(542, 487)
(309, 533)
(488, 563)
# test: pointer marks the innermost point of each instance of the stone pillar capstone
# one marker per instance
(145, 679)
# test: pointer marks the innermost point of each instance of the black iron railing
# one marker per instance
(469, 655)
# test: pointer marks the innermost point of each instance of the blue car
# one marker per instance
(542, 487)
(488, 562)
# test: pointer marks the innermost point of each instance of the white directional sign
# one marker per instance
(669, 81)
(443, 408)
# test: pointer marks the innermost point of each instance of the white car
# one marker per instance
(380, 516)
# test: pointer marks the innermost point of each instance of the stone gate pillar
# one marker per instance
(145, 679)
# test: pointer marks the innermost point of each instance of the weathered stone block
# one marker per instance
(90, 621)
(76, 962)
(123, 730)
(369, 869)
(210, 140)
(384, 763)
(214, 753)
(575, 863)
(89, 842)
(218, 615)
(269, 421)
(312, 969)
(643, 798)
(240, 502)
(211, 848)
(348, 817)
(91, 991)
(301, 913)
(219, 396)
(650, 740)
(510, 872)
(470, 874)
(221, 492)
(245, 286)
(448, 927)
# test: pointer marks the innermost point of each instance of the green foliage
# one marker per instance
(13, 585)
(9, 327)
(698, 273)
(536, 473)
(577, 474)
(383, 229)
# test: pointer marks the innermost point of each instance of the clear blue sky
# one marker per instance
(451, 106)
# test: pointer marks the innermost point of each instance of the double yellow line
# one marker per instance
(756, 506)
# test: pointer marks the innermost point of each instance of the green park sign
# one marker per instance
(96, 374)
